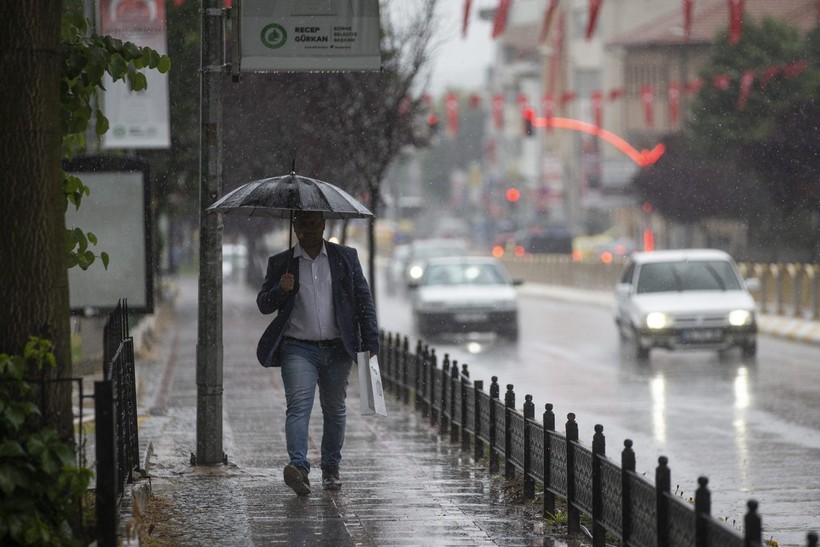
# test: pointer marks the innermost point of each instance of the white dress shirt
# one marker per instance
(313, 315)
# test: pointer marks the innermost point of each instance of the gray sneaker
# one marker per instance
(297, 479)
(331, 480)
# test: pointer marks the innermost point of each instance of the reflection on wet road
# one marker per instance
(751, 426)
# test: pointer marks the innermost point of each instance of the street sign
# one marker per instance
(308, 35)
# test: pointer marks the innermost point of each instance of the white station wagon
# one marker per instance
(685, 299)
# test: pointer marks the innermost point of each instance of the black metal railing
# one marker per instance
(617, 499)
(117, 435)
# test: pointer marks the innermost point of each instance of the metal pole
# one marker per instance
(209, 333)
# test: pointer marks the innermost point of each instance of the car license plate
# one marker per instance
(471, 317)
(702, 335)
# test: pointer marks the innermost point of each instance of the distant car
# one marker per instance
(394, 270)
(685, 299)
(422, 250)
(463, 295)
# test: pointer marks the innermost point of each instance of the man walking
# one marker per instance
(325, 315)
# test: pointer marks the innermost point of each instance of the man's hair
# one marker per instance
(298, 215)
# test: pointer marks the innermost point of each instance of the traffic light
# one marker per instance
(528, 114)
(432, 123)
(512, 194)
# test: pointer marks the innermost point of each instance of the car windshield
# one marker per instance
(464, 274)
(437, 252)
(715, 275)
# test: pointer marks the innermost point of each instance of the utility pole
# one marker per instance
(209, 330)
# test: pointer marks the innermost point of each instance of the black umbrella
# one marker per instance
(279, 197)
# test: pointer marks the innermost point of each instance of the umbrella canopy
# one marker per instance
(279, 197)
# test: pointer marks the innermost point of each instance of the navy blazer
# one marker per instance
(352, 302)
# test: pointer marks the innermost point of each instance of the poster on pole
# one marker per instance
(138, 119)
(117, 212)
(308, 35)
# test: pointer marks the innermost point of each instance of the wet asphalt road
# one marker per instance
(752, 427)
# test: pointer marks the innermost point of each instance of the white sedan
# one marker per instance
(463, 295)
(685, 299)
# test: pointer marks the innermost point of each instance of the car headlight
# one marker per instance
(738, 318)
(416, 272)
(658, 320)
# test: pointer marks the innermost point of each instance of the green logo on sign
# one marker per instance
(274, 36)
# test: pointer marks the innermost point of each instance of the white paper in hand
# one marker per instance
(370, 385)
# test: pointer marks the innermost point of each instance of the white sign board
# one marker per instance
(308, 35)
(117, 212)
(138, 119)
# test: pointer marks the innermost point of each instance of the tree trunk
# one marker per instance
(33, 276)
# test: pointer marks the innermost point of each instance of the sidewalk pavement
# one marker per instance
(403, 483)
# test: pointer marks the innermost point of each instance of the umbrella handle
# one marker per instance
(290, 239)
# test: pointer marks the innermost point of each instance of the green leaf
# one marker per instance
(92, 238)
(11, 449)
(104, 258)
(10, 478)
(164, 64)
(102, 123)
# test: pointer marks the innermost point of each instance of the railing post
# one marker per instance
(478, 387)
(509, 406)
(573, 514)
(388, 361)
(495, 391)
(106, 451)
(443, 425)
(465, 402)
(598, 453)
(752, 526)
(529, 414)
(405, 351)
(549, 425)
(418, 367)
(811, 539)
(663, 486)
(397, 383)
(454, 401)
(703, 508)
(432, 367)
(627, 465)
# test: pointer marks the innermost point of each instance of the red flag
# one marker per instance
(673, 95)
(523, 101)
(475, 100)
(451, 105)
(467, 4)
(687, 19)
(648, 100)
(735, 20)
(693, 86)
(545, 27)
(721, 81)
(617, 93)
(548, 108)
(594, 7)
(567, 97)
(498, 110)
(500, 21)
(404, 105)
(597, 103)
(767, 74)
(746, 82)
(428, 100)
(795, 68)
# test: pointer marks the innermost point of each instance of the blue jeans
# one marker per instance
(303, 367)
